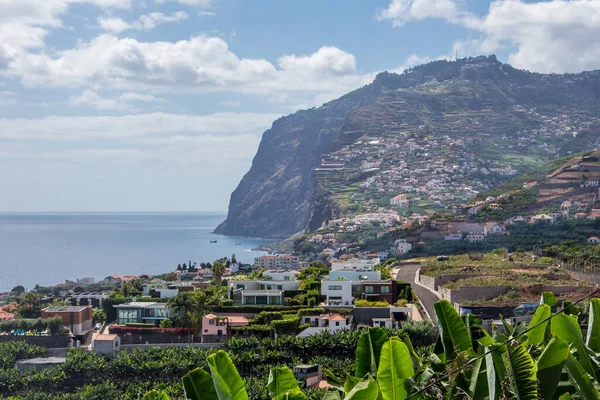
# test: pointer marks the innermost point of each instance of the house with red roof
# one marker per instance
(593, 240)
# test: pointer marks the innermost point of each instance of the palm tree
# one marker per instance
(218, 269)
(185, 307)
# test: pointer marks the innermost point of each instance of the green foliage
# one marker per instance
(99, 316)
(367, 303)
(18, 350)
(53, 325)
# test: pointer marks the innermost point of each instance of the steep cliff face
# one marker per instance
(485, 112)
(274, 199)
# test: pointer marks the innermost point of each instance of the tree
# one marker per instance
(17, 290)
(99, 316)
(171, 276)
(218, 269)
(233, 259)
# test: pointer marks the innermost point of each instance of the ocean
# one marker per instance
(47, 248)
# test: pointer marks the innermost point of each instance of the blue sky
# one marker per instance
(159, 105)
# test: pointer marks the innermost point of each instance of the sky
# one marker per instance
(159, 105)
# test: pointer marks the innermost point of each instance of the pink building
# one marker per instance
(217, 325)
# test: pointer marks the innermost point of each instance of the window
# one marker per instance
(356, 288)
(306, 320)
(369, 289)
(269, 287)
(211, 322)
(286, 278)
(279, 287)
(242, 287)
(335, 287)
(385, 289)
(219, 333)
(206, 330)
(337, 323)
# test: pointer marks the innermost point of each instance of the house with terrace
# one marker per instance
(344, 292)
(142, 313)
(215, 327)
(325, 322)
(268, 290)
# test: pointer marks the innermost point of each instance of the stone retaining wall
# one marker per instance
(50, 342)
(472, 293)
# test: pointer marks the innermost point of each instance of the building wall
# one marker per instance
(354, 275)
(107, 346)
(213, 330)
(329, 288)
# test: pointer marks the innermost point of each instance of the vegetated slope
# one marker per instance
(545, 189)
(440, 133)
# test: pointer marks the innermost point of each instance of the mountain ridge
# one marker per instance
(462, 107)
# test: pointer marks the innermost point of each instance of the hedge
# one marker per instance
(133, 330)
(286, 324)
(253, 309)
(311, 311)
(266, 317)
(256, 327)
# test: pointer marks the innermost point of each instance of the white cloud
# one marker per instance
(200, 64)
(548, 36)
(135, 126)
(121, 102)
(402, 11)
(207, 13)
(192, 3)
(25, 23)
(145, 22)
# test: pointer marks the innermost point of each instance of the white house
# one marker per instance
(356, 264)
(263, 291)
(325, 322)
(106, 344)
(594, 240)
(401, 246)
(352, 275)
(340, 292)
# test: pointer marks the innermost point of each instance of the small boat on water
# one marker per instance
(238, 244)
(213, 241)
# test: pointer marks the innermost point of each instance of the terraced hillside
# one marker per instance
(438, 134)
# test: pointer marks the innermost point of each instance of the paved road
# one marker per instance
(407, 273)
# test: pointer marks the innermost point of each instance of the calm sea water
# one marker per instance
(48, 248)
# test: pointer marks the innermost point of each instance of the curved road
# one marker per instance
(407, 273)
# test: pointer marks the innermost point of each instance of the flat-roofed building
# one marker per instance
(77, 318)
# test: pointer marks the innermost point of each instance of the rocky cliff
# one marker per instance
(481, 107)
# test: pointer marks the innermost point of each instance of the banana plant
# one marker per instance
(548, 359)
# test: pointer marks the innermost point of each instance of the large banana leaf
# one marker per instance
(567, 328)
(351, 381)
(368, 351)
(581, 379)
(199, 385)
(229, 385)
(155, 395)
(332, 395)
(521, 376)
(593, 333)
(283, 382)
(548, 298)
(366, 389)
(536, 335)
(395, 366)
(478, 385)
(453, 332)
(496, 372)
(549, 366)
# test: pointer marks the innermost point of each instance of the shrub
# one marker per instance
(286, 324)
(367, 303)
(266, 317)
(546, 260)
(133, 330)
(311, 311)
